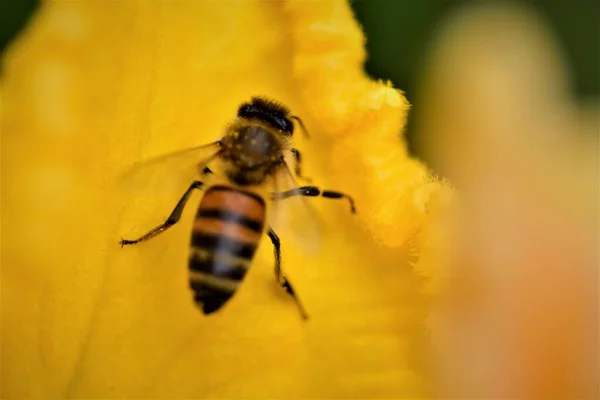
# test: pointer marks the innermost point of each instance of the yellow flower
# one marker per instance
(92, 87)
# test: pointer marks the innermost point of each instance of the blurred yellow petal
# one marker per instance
(92, 87)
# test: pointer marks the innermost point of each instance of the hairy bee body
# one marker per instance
(230, 220)
(231, 217)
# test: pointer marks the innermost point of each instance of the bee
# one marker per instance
(232, 215)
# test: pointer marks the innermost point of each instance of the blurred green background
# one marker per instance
(399, 33)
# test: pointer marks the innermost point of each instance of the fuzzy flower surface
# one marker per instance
(89, 89)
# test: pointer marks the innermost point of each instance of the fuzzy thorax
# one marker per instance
(252, 149)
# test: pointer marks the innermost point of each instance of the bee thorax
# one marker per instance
(251, 148)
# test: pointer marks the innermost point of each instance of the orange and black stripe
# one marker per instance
(226, 233)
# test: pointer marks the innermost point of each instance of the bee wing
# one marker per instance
(149, 191)
(167, 173)
(292, 217)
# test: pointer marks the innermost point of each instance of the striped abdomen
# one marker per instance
(226, 232)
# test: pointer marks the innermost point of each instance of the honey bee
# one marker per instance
(232, 216)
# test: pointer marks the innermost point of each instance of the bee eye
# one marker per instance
(244, 110)
(288, 127)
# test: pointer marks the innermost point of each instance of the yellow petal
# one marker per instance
(364, 121)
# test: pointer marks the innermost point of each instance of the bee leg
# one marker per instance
(172, 220)
(298, 157)
(313, 191)
(280, 276)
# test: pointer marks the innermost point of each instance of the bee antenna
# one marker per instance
(304, 130)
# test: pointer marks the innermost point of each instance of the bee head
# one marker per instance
(268, 112)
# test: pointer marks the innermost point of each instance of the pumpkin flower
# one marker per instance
(89, 89)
